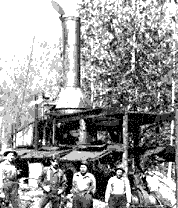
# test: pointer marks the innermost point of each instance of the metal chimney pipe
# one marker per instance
(71, 98)
(71, 51)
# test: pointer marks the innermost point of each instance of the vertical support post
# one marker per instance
(120, 131)
(36, 125)
(91, 131)
(136, 138)
(125, 142)
(85, 132)
(176, 159)
(82, 132)
(44, 133)
(54, 131)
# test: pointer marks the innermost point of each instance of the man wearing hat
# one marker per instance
(118, 191)
(53, 181)
(9, 178)
(83, 187)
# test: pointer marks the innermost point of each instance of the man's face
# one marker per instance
(10, 157)
(119, 173)
(54, 164)
(83, 169)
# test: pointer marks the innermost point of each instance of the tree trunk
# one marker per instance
(172, 129)
(125, 142)
(92, 90)
(101, 93)
(176, 146)
(36, 126)
(5, 137)
(173, 102)
(92, 76)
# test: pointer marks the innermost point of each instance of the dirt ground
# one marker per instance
(31, 197)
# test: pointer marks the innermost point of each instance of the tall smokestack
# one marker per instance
(71, 99)
(71, 51)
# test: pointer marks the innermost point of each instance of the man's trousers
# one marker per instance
(10, 190)
(82, 201)
(53, 198)
(117, 201)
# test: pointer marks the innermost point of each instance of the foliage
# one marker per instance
(30, 58)
(39, 73)
(107, 51)
(129, 49)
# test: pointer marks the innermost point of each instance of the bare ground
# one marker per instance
(30, 198)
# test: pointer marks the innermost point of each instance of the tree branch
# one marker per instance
(25, 83)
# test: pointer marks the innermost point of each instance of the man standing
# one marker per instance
(54, 183)
(9, 179)
(83, 187)
(118, 191)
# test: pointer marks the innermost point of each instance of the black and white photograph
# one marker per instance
(89, 104)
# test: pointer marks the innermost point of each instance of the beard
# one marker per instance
(119, 176)
(12, 161)
(83, 173)
(55, 166)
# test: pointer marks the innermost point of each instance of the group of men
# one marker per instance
(53, 182)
